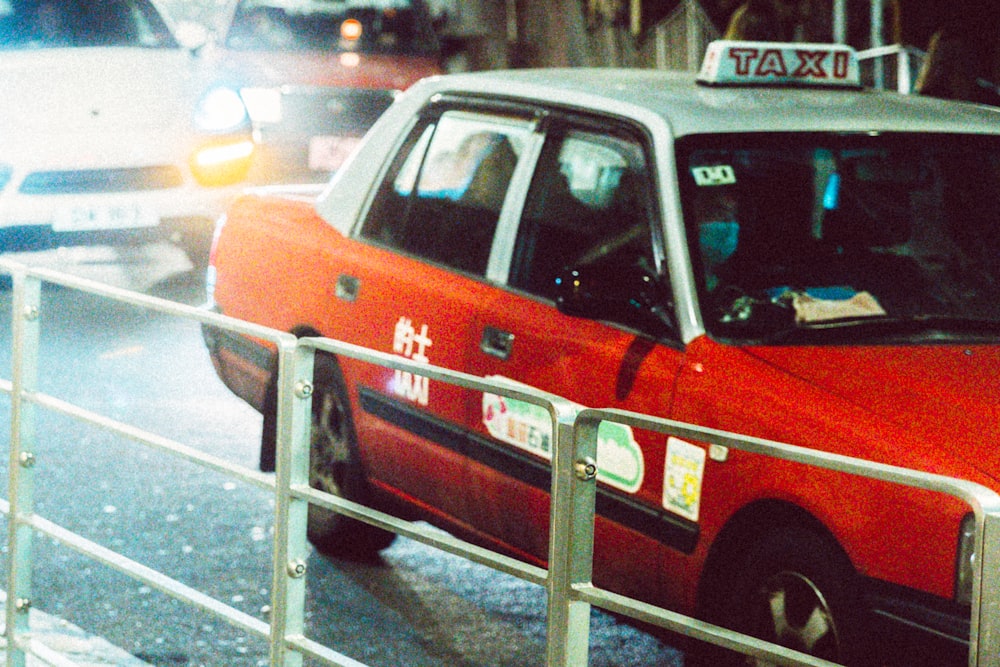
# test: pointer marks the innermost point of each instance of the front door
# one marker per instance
(590, 206)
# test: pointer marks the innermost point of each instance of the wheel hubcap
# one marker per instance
(796, 615)
(327, 447)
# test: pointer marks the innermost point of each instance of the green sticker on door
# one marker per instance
(529, 427)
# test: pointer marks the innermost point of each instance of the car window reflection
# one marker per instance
(47, 24)
(385, 27)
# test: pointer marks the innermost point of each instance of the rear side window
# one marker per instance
(442, 198)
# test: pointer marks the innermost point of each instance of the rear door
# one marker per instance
(429, 233)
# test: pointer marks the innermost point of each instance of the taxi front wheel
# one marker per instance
(795, 589)
(334, 468)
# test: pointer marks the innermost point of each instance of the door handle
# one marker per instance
(496, 343)
(347, 287)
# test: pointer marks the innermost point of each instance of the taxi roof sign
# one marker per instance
(736, 63)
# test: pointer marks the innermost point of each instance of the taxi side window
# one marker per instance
(442, 197)
(588, 204)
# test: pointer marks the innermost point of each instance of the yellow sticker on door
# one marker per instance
(682, 476)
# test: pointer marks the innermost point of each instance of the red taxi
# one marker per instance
(814, 264)
(315, 74)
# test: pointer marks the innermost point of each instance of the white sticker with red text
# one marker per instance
(620, 463)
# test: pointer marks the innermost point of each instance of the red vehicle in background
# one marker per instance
(315, 75)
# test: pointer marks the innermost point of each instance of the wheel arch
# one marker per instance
(268, 435)
(748, 525)
(329, 531)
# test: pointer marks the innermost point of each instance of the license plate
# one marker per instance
(328, 153)
(93, 218)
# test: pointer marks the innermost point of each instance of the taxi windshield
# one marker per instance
(845, 238)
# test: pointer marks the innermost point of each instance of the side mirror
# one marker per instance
(630, 295)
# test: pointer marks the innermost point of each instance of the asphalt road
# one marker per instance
(416, 607)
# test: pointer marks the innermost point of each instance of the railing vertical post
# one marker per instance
(24, 378)
(839, 21)
(571, 542)
(904, 72)
(295, 377)
(875, 40)
(985, 651)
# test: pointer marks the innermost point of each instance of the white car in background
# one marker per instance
(110, 132)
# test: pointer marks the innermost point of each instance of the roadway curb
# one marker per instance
(58, 643)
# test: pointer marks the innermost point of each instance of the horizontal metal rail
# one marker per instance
(909, 61)
(288, 645)
(571, 547)
(23, 521)
(567, 580)
(985, 503)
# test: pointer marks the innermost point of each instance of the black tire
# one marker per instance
(334, 468)
(794, 588)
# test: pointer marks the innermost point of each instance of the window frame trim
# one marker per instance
(518, 116)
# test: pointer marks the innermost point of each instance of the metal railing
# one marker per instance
(567, 580)
(877, 71)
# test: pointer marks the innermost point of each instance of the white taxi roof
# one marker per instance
(692, 108)
(668, 104)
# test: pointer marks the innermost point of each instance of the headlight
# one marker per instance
(214, 155)
(965, 561)
(220, 110)
(222, 161)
